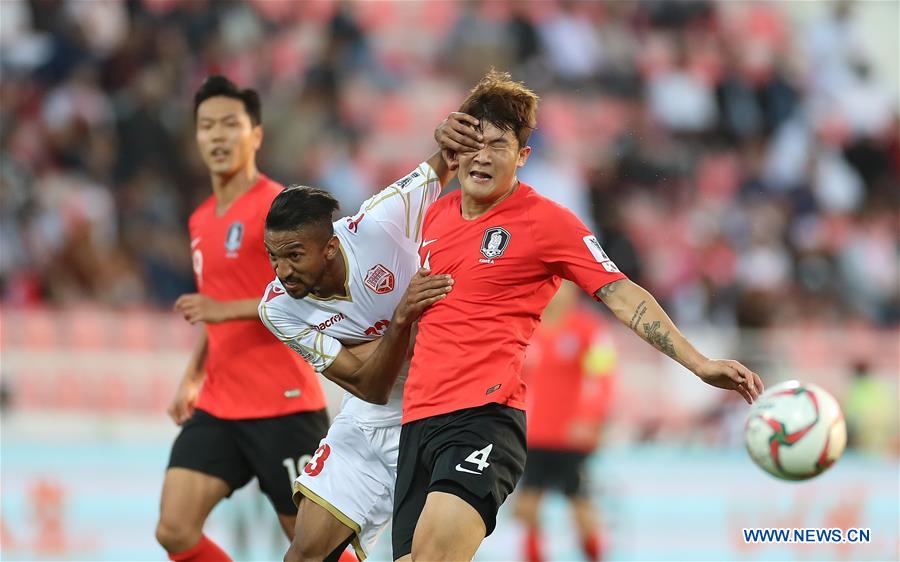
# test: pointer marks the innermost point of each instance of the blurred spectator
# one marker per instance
(6, 397)
(797, 205)
(681, 99)
(573, 45)
(871, 413)
(476, 42)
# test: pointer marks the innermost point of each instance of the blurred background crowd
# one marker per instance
(741, 160)
(742, 166)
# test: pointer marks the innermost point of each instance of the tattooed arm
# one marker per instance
(637, 309)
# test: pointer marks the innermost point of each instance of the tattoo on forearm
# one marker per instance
(609, 289)
(638, 315)
(660, 340)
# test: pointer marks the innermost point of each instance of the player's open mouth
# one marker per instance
(291, 285)
(480, 176)
(219, 153)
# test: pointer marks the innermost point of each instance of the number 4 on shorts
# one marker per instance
(479, 459)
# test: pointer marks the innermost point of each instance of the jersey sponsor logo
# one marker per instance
(493, 389)
(478, 458)
(429, 242)
(353, 222)
(274, 291)
(494, 242)
(597, 251)
(292, 393)
(330, 322)
(234, 239)
(380, 279)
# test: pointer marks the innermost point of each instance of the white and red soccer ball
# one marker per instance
(795, 431)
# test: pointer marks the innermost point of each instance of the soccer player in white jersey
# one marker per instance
(337, 285)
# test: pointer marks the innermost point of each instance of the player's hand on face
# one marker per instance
(424, 290)
(731, 375)
(182, 406)
(458, 133)
(199, 308)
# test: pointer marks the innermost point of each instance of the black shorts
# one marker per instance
(237, 450)
(477, 454)
(549, 469)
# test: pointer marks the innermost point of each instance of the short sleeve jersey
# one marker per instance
(249, 374)
(569, 370)
(506, 265)
(379, 245)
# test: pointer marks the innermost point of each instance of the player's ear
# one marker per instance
(331, 247)
(523, 156)
(257, 137)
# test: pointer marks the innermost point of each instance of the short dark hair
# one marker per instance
(300, 206)
(217, 85)
(507, 104)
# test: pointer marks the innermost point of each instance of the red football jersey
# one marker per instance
(506, 265)
(569, 370)
(249, 373)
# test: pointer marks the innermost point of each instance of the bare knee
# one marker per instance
(187, 498)
(448, 529)
(442, 542)
(440, 547)
(527, 507)
(175, 537)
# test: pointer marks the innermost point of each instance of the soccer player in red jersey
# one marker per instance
(462, 445)
(248, 406)
(569, 370)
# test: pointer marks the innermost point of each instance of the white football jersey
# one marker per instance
(380, 248)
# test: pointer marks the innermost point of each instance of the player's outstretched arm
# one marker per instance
(373, 379)
(200, 308)
(636, 308)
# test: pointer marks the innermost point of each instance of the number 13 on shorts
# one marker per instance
(311, 465)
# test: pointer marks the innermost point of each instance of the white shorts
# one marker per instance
(352, 475)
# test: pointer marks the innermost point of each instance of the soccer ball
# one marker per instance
(795, 431)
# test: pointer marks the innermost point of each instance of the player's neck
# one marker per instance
(334, 282)
(472, 209)
(227, 189)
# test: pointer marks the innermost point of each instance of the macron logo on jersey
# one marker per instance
(322, 326)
